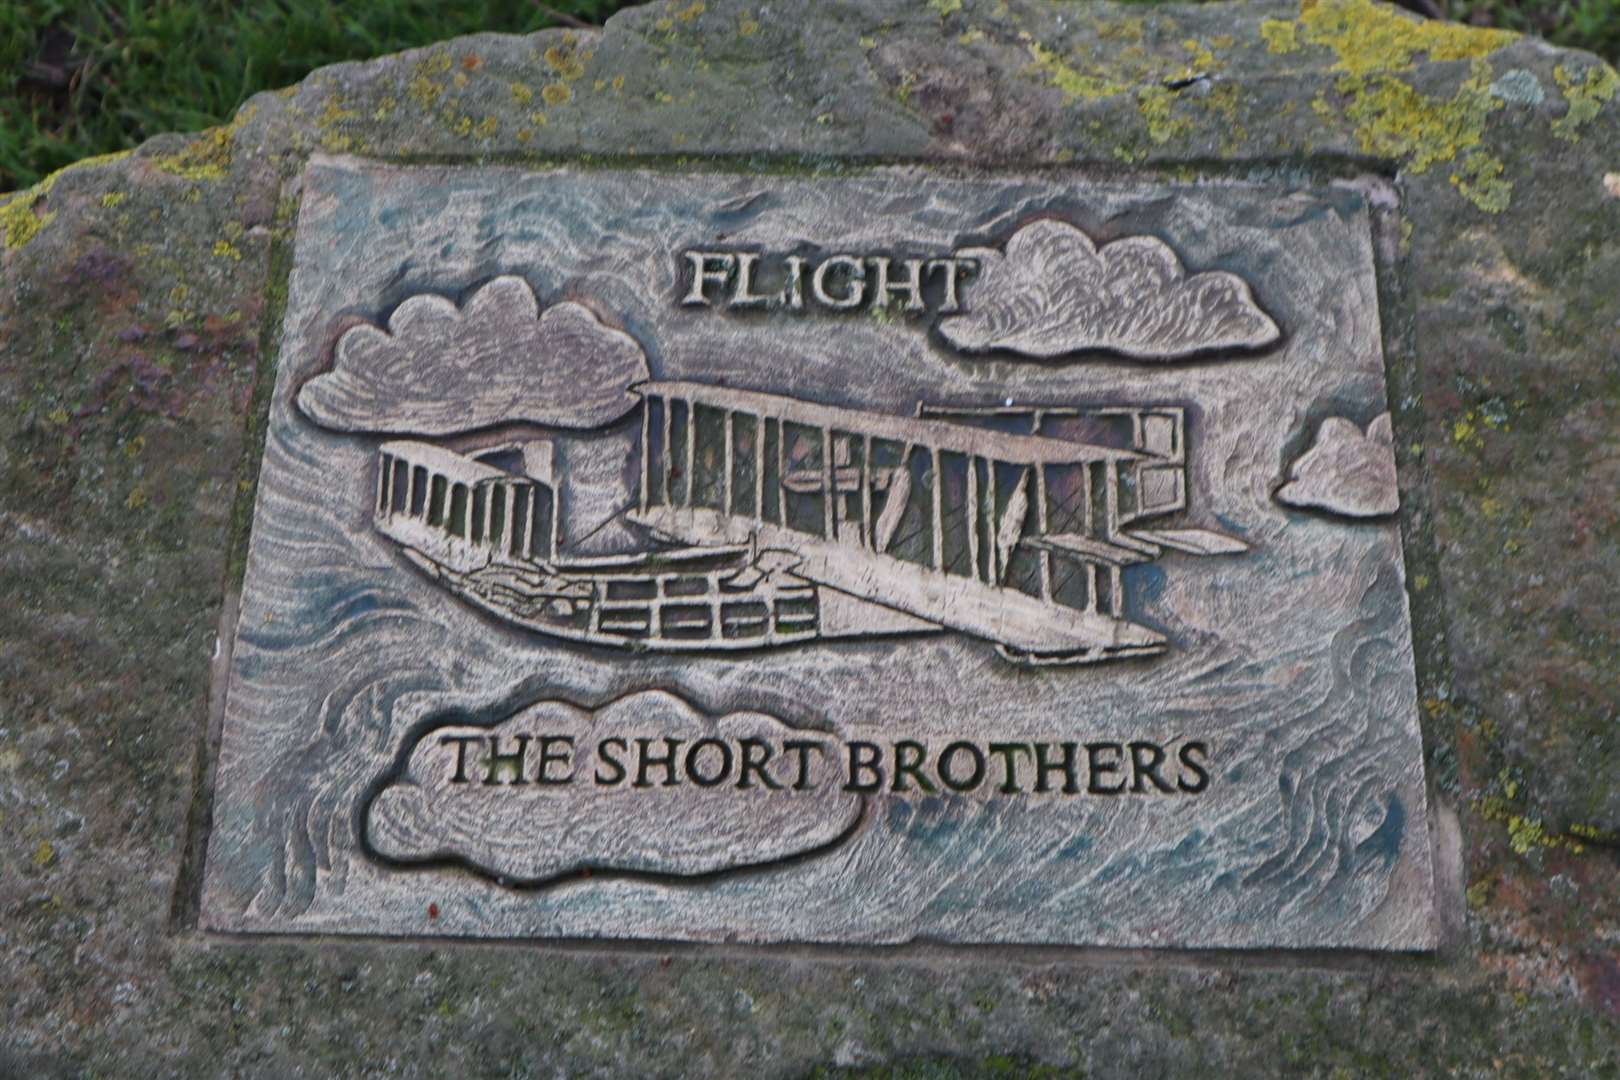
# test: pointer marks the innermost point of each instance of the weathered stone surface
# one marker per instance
(139, 299)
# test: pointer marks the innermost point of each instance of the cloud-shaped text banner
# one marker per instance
(1053, 292)
(646, 784)
(440, 370)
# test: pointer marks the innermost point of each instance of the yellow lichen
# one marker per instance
(113, 199)
(1585, 97)
(224, 249)
(44, 854)
(747, 26)
(1373, 45)
(691, 11)
(460, 81)
(1479, 180)
(1393, 120)
(424, 91)
(329, 122)
(1280, 36)
(1129, 30)
(1592, 832)
(1153, 102)
(384, 108)
(487, 128)
(1370, 38)
(564, 62)
(333, 113)
(946, 7)
(1202, 60)
(556, 93)
(209, 156)
(19, 220)
(1525, 833)
(521, 93)
(1073, 84)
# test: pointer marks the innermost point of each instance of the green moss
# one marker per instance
(1585, 97)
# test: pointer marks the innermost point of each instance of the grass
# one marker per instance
(93, 76)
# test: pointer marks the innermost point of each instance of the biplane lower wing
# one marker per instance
(1001, 615)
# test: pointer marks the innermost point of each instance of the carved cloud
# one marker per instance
(1345, 471)
(438, 369)
(1054, 292)
(532, 833)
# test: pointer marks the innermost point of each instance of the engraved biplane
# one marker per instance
(779, 521)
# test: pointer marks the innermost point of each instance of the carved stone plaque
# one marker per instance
(858, 558)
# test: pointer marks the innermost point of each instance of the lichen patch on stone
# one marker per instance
(209, 156)
(1585, 95)
(19, 220)
(1374, 45)
(1370, 38)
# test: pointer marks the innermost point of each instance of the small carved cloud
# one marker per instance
(1346, 472)
(1054, 292)
(720, 813)
(438, 369)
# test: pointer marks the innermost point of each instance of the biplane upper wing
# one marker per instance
(718, 470)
